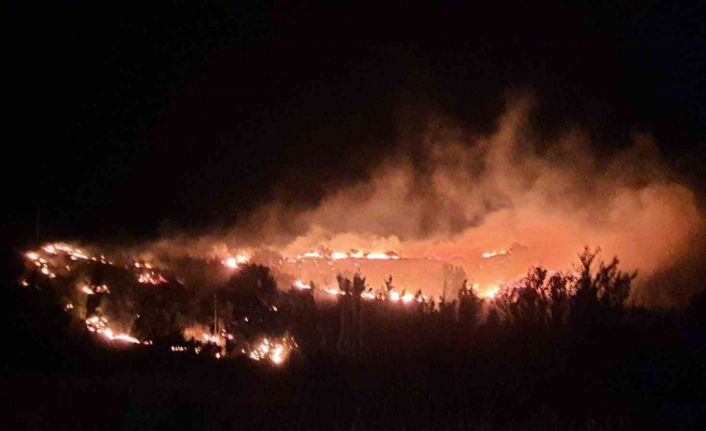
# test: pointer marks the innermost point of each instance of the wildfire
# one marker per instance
(494, 253)
(312, 254)
(333, 291)
(301, 285)
(381, 256)
(353, 254)
(52, 259)
(367, 295)
(40, 263)
(337, 255)
(99, 325)
(73, 252)
(275, 350)
(489, 292)
(56, 258)
(234, 261)
(405, 297)
(211, 338)
(151, 277)
(92, 290)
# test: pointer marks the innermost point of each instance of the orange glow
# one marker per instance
(275, 350)
(367, 295)
(234, 261)
(380, 255)
(337, 255)
(488, 292)
(333, 291)
(301, 285)
(99, 325)
(313, 254)
(151, 277)
(489, 254)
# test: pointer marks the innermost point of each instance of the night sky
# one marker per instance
(124, 122)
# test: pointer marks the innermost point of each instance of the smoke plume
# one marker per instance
(448, 194)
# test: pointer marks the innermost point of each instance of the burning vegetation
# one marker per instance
(239, 309)
(451, 262)
(447, 235)
(454, 275)
(133, 301)
(492, 204)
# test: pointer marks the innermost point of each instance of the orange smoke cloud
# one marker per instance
(454, 195)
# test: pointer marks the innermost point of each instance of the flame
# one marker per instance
(99, 325)
(301, 285)
(276, 350)
(50, 258)
(381, 256)
(337, 255)
(92, 290)
(151, 277)
(234, 261)
(494, 253)
(354, 254)
(74, 253)
(210, 338)
(489, 292)
(312, 254)
(333, 291)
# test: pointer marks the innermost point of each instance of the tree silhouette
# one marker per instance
(388, 285)
(469, 307)
(543, 301)
(162, 311)
(601, 295)
(346, 329)
(526, 303)
(252, 294)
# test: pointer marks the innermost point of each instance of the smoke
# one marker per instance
(450, 194)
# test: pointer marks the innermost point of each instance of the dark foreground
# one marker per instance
(647, 382)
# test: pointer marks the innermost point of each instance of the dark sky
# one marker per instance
(124, 121)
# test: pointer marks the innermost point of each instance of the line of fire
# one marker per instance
(230, 306)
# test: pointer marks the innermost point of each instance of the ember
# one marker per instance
(276, 350)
